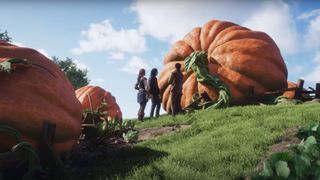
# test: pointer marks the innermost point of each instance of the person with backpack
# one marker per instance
(142, 97)
(154, 93)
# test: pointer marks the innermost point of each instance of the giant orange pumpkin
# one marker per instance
(94, 96)
(237, 55)
(35, 92)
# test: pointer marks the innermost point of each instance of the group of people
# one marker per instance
(149, 89)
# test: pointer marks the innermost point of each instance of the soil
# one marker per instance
(150, 133)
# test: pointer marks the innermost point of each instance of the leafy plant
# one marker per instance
(130, 136)
(313, 129)
(128, 125)
(304, 163)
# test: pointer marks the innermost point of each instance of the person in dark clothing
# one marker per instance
(142, 99)
(176, 80)
(154, 92)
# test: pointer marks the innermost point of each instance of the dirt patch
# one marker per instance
(283, 145)
(150, 133)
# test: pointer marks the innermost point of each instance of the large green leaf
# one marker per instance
(282, 169)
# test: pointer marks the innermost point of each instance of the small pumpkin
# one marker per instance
(33, 91)
(94, 96)
(238, 56)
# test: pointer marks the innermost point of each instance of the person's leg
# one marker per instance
(153, 106)
(179, 108)
(173, 104)
(139, 112)
(142, 109)
(158, 105)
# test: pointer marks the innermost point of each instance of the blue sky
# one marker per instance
(113, 39)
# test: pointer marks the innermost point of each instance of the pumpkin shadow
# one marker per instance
(113, 165)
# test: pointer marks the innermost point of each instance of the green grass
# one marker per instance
(221, 144)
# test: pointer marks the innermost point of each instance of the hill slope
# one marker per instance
(221, 144)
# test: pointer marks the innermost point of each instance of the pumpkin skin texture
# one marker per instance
(239, 56)
(32, 94)
(290, 94)
(97, 96)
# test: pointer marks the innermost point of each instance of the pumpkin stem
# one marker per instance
(198, 63)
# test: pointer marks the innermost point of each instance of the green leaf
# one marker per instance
(280, 156)
(315, 128)
(5, 67)
(267, 170)
(302, 164)
(282, 169)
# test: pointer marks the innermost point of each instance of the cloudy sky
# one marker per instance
(113, 39)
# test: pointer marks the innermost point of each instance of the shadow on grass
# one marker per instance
(114, 165)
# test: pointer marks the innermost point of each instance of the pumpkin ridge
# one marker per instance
(211, 30)
(268, 58)
(222, 34)
(245, 80)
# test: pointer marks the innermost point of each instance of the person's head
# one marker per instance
(154, 72)
(142, 72)
(177, 66)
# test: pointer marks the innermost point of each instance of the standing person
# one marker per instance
(175, 80)
(141, 86)
(154, 92)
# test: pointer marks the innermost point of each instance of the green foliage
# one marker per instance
(313, 129)
(221, 144)
(128, 124)
(130, 136)
(7, 66)
(4, 36)
(302, 164)
(21, 149)
(76, 76)
(197, 61)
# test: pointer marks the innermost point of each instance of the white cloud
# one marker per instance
(314, 75)
(134, 65)
(317, 57)
(116, 55)
(308, 15)
(103, 37)
(171, 21)
(275, 19)
(81, 65)
(312, 38)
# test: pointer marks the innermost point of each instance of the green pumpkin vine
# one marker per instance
(197, 62)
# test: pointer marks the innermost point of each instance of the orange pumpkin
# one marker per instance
(239, 56)
(94, 96)
(290, 94)
(31, 94)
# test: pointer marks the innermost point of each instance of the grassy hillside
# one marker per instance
(221, 144)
